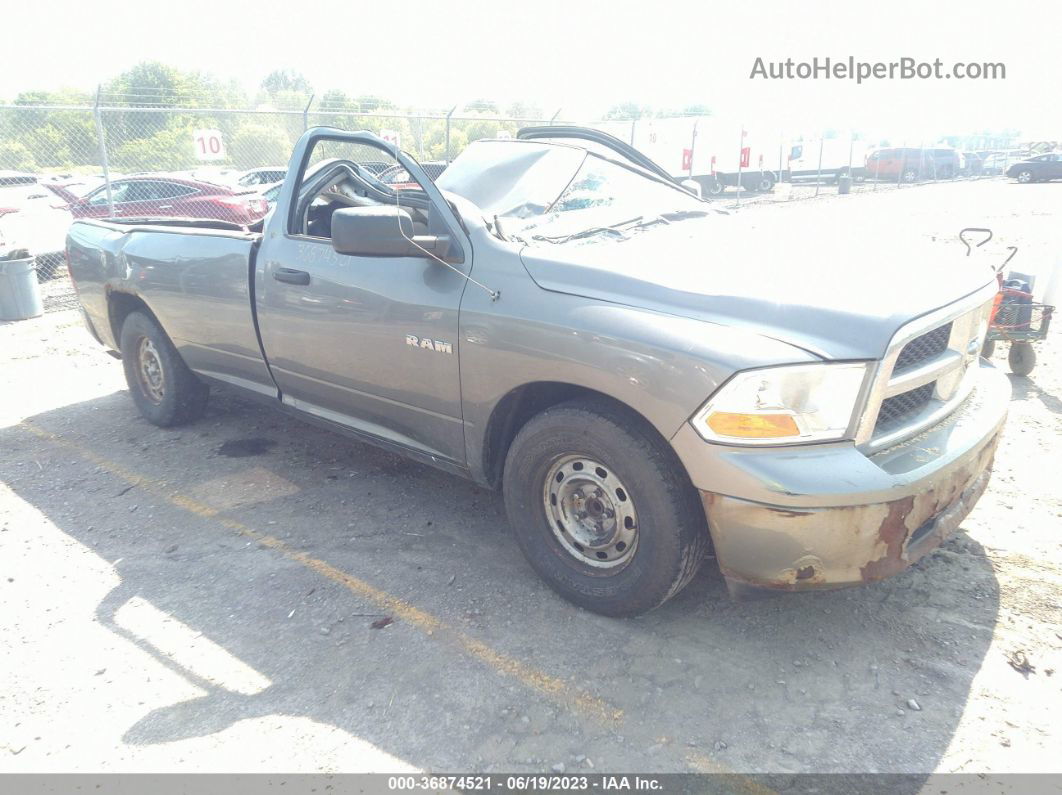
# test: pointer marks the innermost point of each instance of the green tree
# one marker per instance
(16, 156)
(481, 106)
(370, 103)
(170, 149)
(687, 110)
(54, 138)
(333, 100)
(258, 144)
(281, 80)
(627, 111)
(524, 110)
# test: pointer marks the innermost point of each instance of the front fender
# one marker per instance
(662, 366)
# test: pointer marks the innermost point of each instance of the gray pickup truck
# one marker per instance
(553, 317)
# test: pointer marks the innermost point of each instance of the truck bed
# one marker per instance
(195, 276)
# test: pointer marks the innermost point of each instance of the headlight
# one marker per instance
(779, 405)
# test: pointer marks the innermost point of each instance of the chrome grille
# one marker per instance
(928, 346)
(898, 409)
(923, 375)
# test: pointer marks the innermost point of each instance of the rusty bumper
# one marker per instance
(797, 545)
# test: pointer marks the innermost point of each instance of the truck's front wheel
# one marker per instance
(602, 509)
(163, 388)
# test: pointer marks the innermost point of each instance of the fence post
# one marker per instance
(693, 149)
(741, 160)
(98, 116)
(818, 168)
(448, 115)
(781, 143)
(306, 114)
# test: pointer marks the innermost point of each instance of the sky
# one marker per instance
(579, 57)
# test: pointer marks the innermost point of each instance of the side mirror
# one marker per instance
(694, 187)
(383, 231)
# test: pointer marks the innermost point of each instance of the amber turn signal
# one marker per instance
(752, 426)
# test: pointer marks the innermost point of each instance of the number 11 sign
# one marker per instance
(209, 144)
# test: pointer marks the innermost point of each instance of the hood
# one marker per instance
(837, 294)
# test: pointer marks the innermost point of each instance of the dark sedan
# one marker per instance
(1037, 169)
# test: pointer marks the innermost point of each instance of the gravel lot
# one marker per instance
(204, 599)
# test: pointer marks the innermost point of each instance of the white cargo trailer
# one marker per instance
(826, 158)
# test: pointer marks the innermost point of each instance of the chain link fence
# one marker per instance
(59, 163)
(137, 158)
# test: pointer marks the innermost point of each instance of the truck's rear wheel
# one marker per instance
(602, 509)
(163, 388)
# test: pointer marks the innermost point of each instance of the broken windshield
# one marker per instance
(608, 199)
(555, 193)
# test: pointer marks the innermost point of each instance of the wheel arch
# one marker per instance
(120, 305)
(526, 401)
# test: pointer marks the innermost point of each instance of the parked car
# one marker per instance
(166, 196)
(908, 164)
(995, 163)
(10, 179)
(972, 164)
(398, 178)
(270, 192)
(34, 218)
(267, 175)
(1040, 168)
(560, 324)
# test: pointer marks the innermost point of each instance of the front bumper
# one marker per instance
(827, 516)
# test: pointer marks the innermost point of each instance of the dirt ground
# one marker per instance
(204, 599)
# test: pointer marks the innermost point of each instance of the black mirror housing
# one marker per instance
(378, 231)
(383, 231)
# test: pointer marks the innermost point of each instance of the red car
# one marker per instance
(162, 195)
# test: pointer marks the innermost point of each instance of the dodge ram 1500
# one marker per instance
(550, 317)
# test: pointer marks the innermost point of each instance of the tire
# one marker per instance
(1025, 176)
(592, 450)
(764, 183)
(1022, 358)
(909, 175)
(713, 187)
(988, 349)
(163, 388)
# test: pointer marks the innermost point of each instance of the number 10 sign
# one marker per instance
(208, 144)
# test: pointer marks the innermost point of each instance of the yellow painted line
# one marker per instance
(529, 676)
(532, 678)
(738, 782)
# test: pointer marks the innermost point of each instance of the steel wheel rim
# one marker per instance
(149, 370)
(591, 512)
(1025, 176)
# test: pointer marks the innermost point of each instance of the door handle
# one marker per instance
(291, 276)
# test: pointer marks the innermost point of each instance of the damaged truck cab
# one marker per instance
(553, 316)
